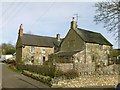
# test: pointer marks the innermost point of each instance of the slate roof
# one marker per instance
(92, 37)
(35, 40)
(63, 53)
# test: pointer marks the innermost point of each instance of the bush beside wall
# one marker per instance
(71, 74)
(46, 70)
(44, 79)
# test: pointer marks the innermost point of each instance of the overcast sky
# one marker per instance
(47, 19)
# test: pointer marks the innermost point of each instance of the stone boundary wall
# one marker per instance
(117, 67)
(88, 68)
(64, 66)
(111, 69)
(80, 67)
(85, 68)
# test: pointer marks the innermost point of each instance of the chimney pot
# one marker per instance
(20, 30)
(21, 26)
(58, 37)
(73, 18)
(73, 23)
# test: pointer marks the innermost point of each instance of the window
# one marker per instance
(32, 59)
(43, 50)
(93, 58)
(32, 49)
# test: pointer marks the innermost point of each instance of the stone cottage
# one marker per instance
(83, 46)
(34, 49)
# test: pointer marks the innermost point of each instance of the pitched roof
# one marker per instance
(63, 53)
(92, 37)
(35, 40)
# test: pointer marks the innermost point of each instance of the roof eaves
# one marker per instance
(38, 45)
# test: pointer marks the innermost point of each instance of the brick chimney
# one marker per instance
(20, 30)
(58, 37)
(73, 23)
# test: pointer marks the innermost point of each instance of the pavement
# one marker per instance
(12, 79)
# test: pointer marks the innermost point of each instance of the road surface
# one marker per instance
(11, 79)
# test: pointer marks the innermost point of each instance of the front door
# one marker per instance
(43, 59)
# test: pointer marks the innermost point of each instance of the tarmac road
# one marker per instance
(11, 79)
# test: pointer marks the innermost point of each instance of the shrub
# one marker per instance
(47, 70)
(59, 73)
(44, 79)
(70, 74)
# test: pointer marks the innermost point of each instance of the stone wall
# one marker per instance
(97, 53)
(111, 69)
(37, 54)
(80, 56)
(88, 81)
(18, 50)
(90, 77)
(88, 68)
(82, 68)
(64, 66)
(72, 42)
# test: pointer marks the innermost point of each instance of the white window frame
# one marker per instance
(32, 49)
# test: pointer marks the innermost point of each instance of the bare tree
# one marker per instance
(109, 14)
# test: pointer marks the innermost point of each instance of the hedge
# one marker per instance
(46, 70)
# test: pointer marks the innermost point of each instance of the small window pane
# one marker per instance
(32, 49)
